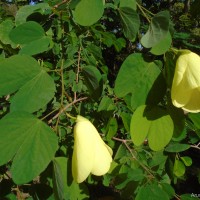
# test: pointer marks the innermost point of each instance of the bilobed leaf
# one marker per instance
(35, 94)
(88, 12)
(32, 145)
(5, 27)
(158, 29)
(140, 126)
(37, 46)
(152, 123)
(25, 11)
(130, 22)
(140, 78)
(162, 46)
(23, 73)
(93, 81)
(64, 186)
(27, 32)
(16, 71)
(31, 37)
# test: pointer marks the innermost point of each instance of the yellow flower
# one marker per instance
(91, 154)
(185, 91)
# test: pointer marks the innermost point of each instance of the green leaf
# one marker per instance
(23, 73)
(158, 29)
(27, 32)
(130, 22)
(29, 142)
(31, 37)
(106, 104)
(93, 81)
(25, 11)
(186, 160)
(128, 3)
(195, 117)
(126, 119)
(149, 192)
(177, 147)
(152, 123)
(16, 71)
(37, 46)
(88, 12)
(162, 46)
(35, 94)
(64, 186)
(140, 78)
(111, 130)
(168, 189)
(179, 168)
(5, 27)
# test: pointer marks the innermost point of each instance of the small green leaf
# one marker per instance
(177, 147)
(32, 145)
(168, 189)
(149, 192)
(106, 104)
(152, 123)
(93, 81)
(130, 22)
(195, 117)
(158, 29)
(179, 168)
(111, 130)
(88, 12)
(186, 160)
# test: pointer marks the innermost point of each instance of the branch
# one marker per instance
(133, 156)
(65, 108)
(197, 146)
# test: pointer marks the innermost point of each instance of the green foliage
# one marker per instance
(60, 59)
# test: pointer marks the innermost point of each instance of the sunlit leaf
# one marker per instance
(32, 145)
(87, 12)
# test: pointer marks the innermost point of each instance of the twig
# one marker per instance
(133, 156)
(197, 146)
(61, 3)
(65, 108)
(78, 70)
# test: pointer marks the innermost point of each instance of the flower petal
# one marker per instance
(103, 157)
(84, 145)
(184, 92)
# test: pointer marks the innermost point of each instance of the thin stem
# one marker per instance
(61, 3)
(78, 70)
(133, 156)
(144, 14)
(196, 146)
(66, 107)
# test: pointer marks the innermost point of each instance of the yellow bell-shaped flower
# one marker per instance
(185, 92)
(91, 154)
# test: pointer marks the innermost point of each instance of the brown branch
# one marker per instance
(65, 108)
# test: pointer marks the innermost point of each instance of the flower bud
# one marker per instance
(91, 154)
(185, 92)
